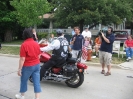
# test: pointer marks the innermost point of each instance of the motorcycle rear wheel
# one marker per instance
(30, 78)
(76, 81)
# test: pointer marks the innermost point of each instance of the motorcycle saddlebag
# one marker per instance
(70, 70)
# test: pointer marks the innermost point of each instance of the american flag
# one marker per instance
(84, 53)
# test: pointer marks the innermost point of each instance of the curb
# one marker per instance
(98, 64)
(117, 66)
(124, 67)
(9, 55)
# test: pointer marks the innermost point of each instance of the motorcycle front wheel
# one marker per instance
(76, 81)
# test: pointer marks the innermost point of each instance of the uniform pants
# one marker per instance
(50, 64)
(46, 66)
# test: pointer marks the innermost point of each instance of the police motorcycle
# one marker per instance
(71, 72)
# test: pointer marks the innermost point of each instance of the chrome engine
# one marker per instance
(56, 77)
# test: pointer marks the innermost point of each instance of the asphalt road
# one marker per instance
(95, 86)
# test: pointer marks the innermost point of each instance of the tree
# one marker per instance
(91, 12)
(7, 20)
(28, 11)
(131, 21)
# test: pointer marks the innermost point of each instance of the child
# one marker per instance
(87, 47)
(97, 45)
(88, 43)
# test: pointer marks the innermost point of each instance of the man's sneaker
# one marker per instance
(17, 96)
(129, 58)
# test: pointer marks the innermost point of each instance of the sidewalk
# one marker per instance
(10, 45)
(127, 65)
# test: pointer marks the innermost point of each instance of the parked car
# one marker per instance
(121, 35)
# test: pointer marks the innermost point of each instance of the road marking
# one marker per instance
(8, 73)
(6, 97)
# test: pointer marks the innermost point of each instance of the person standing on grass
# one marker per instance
(86, 33)
(97, 45)
(51, 38)
(29, 64)
(129, 47)
(105, 53)
(34, 35)
(87, 46)
(77, 42)
(0, 45)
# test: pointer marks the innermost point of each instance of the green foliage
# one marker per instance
(55, 34)
(42, 35)
(7, 18)
(12, 50)
(92, 12)
(28, 11)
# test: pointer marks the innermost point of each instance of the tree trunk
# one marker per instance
(81, 26)
(8, 36)
(131, 26)
(93, 25)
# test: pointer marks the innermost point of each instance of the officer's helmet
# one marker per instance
(59, 32)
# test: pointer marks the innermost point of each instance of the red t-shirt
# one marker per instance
(30, 50)
(129, 43)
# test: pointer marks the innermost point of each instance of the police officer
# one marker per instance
(59, 54)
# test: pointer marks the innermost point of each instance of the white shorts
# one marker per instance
(105, 58)
(75, 53)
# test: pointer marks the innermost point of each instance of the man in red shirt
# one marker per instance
(129, 47)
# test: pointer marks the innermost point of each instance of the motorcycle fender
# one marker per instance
(44, 57)
(81, 66)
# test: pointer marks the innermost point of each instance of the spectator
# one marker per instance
(105, 53)
(129, 47)
(77, 42)
(88, 43)
(51, 38)
(35, 35)
(97, 45)
(86, 32)
(87, 47)
(73, 33)
(29, 64)
(0, 45)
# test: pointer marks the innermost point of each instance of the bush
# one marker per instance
(42, 35)
(55, 34)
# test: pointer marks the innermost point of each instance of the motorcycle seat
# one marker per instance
(71, 60)
(61, 65)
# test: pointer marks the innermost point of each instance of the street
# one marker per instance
(95, 86)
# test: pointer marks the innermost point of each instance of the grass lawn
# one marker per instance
(17, 42)
(15, 51)
(115, 59)
(10, 50)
